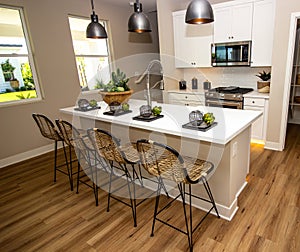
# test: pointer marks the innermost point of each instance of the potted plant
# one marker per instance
(116, 91)
(263, 86)
(8, 72)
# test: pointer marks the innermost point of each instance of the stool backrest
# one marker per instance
(47, 127)
(107, 145)
(67, 131)
(161, 160)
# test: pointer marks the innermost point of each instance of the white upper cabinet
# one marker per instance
(262, 33)
(192, 43)
(233, 23)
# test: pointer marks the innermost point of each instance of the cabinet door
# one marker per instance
(222, 25)
(233, 23)
(258, 126)
(262, 33)
(242, 22)
(192, 43)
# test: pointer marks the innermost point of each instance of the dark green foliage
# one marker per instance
(118, 82)
(264, 76)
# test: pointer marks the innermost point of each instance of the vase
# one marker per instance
(14, 84)
(263, 86)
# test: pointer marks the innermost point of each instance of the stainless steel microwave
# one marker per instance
(231, 54)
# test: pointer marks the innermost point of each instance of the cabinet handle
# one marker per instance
(253, 102)
(186, 97)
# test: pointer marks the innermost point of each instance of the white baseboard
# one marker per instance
(225, 212)
(26, 155)
(273, 146)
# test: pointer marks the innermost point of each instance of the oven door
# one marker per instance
(224, 103)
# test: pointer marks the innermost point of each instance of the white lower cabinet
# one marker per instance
(187, 99)
(259, 127)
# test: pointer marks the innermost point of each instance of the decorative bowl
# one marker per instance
(119, 97)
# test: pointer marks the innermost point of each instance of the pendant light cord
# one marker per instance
(92, 3)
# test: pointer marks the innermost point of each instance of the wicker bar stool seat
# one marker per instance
(48, 130)
(166, 163)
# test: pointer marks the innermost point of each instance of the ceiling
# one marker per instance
(148, 5)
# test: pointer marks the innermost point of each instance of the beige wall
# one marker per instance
(279, 61)
(53, 53)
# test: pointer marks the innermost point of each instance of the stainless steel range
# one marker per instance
(226, 97)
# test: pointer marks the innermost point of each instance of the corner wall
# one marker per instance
(47, 23)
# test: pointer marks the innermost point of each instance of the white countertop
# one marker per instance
(231, 122)
(256, 94)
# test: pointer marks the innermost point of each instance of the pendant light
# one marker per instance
(95, 29)
(138, 21)
(199, 12)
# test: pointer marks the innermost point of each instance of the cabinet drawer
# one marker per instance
(258, 102)
(186, 97)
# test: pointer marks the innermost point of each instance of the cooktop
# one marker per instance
(231, 90)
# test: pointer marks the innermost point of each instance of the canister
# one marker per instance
(182, 84)
(206, 85)
(194, 83)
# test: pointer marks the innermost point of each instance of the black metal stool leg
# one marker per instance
(55, 159)
(156, 204)
(207, 188)
(109, 187)
(182, 192)
(67, 164)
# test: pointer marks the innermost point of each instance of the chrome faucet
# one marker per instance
(147, 72)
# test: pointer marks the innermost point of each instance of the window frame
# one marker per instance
(30, 60)
(110, 56)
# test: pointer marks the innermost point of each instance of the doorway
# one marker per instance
(290, 79)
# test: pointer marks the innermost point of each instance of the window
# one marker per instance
(18, 82)
(92, 55)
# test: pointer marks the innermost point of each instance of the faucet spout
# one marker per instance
(147, 72)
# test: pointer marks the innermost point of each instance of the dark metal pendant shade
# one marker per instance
(138, 21)
(95, 30)
(199, 12)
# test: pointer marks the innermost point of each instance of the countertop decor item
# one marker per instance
(263, 86)
(138, 22)
(95, 30)
(117, 90)
(147, 119)
(199, 125)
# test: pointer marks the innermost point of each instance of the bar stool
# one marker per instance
(90, 165)
(68, 133)
(48, 130)
(166, 163)
(119, 158)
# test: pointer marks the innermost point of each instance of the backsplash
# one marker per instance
(224, 76)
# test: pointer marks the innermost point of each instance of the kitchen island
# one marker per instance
(227, 144)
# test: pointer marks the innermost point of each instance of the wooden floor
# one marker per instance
(39, 215)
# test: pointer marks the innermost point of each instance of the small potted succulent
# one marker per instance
(116, 91)
(263, 86)
(8, 73)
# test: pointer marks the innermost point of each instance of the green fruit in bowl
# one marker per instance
(208, 118)
(120, 89)
(93, 103)
(125, 106)
(156, 110)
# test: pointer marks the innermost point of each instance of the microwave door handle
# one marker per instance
(241, 54)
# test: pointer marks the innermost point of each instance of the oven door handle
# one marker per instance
(219, 103)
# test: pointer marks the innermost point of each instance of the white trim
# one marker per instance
(225, 212)
(26, 155)
(273, 146)
(287, 82)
